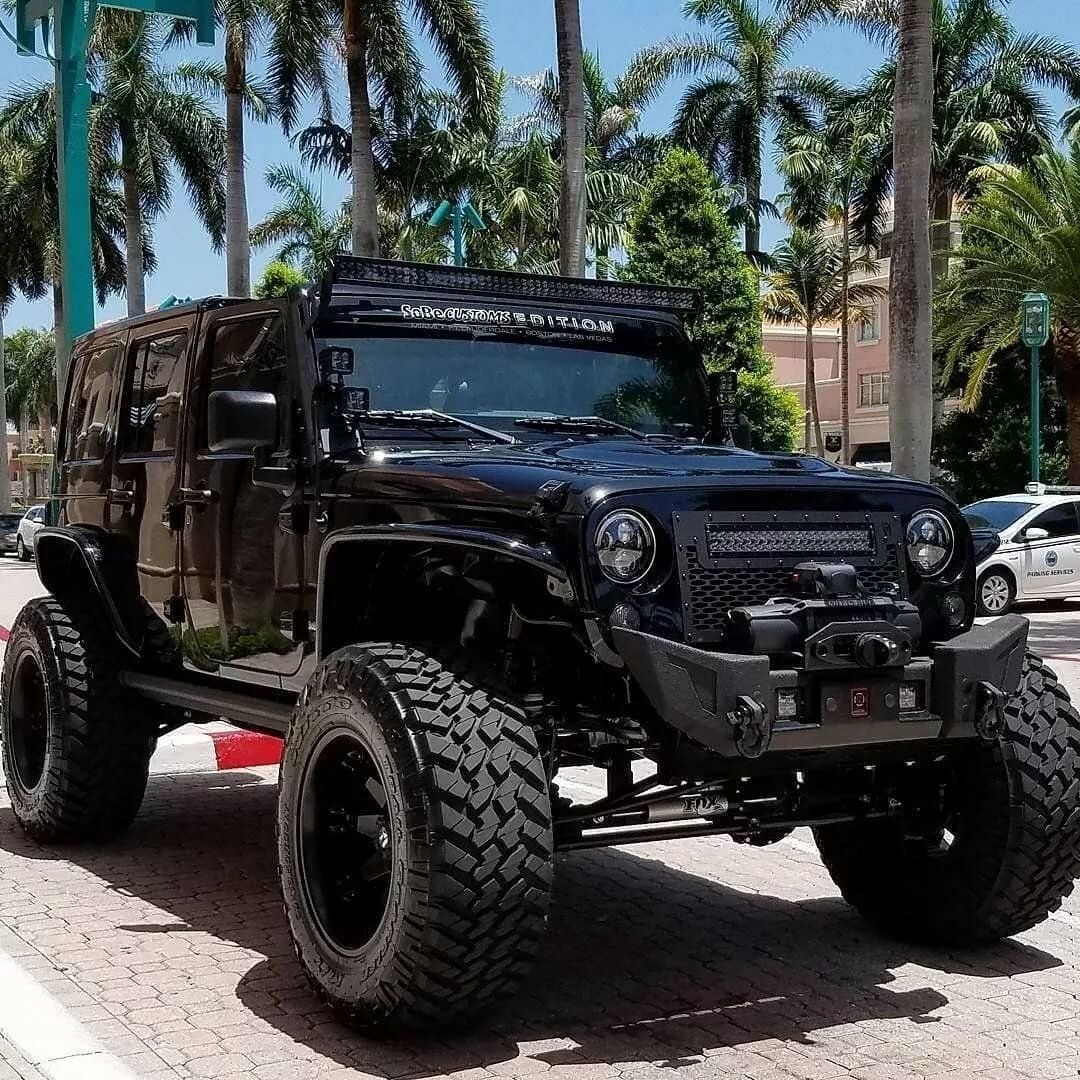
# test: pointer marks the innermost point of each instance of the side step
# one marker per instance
(271, 715)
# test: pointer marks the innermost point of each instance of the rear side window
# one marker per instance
(152, 417)
(90, 410)
(246, 354)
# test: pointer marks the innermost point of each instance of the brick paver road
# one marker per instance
(691, 959)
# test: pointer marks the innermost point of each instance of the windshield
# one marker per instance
(996, 514)
(9, 521)
(494, 381)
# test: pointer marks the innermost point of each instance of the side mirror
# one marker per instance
(241, 420)
(1033, 532)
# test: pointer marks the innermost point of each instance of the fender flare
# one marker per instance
(538, 557)
(79, 562)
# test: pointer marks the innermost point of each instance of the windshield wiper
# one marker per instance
(583, 424)
(426, 418)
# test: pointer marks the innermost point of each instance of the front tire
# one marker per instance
(414, 838)
(995, 593)
(1009, 854)
(76, 755)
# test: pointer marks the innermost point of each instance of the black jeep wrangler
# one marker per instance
(450, 532)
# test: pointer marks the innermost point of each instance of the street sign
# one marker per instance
(833, 442)
(1035, 320)
(726, 382)
(729, 415)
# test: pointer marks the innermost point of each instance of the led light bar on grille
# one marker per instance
(350, 269)
(732, 539)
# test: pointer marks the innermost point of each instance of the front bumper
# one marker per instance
(709, 695)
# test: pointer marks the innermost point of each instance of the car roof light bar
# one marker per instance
(1051, 489)
(353, 270)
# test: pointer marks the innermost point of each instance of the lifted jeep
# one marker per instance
(450, 532)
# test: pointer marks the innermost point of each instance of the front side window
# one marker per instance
(873, 389)
(86, 433)
(1057, 521)
(246, 353)
(152, 417)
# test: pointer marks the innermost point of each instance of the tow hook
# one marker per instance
(989, 711)
(753, 730)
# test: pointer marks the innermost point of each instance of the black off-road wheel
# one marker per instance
(76, 754)
(414, 838)
(1007, 853)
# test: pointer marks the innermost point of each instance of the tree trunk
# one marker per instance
(133, 246)
(814, 413)
(237, 236)
(365, 207)
(753, 224)
(1067, 369)
(941, 235)
(5, 477)
(845, 326)
(45, 427)
(572, 111)
(62, 359)
(24, 430)
(910, 280)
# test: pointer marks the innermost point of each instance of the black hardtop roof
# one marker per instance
(188, 307)
(353, 276)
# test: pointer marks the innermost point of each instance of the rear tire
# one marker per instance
(414, 838)
(76, 755)
(1014, 852)
(20, 550)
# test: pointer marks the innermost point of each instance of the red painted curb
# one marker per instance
(245, 749)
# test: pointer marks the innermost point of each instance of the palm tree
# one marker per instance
(308, 234)
(572, 116)
(826, 171)
(380, 55)
(293, 34)
(32, 386)
(805, 285)
(986, 101)
(742, 87)
(911, 362)
(1021, 234)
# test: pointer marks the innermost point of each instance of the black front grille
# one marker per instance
(715, 577)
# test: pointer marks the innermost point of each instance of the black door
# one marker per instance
(242, 565)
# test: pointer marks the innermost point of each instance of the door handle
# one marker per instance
(196, 496)
(121, 496)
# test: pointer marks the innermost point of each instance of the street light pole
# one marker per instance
(459, 211)
(1035, 332)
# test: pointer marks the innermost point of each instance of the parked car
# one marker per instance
(9, 533)
(1032, 548)
(30, 524)
(451, 531)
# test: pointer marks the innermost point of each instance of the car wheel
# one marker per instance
(995, 593)
(1001, 856)
(20, 550)
(414, 838)
(75, 754)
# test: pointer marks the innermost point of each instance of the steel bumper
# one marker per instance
(729, 701)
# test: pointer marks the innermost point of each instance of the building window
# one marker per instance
(870, 327)
(874, 389)
(884, 246)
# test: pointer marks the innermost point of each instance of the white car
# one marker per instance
(32, 522)
(1038, 553)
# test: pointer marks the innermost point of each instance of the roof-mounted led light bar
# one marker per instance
(352, 270)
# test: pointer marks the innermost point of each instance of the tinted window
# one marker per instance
(86, 433)
(9, 521)
(246, 354)
(1058, 521)
(152, 416)
(995, 514)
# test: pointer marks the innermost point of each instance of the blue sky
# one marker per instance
(524, 41)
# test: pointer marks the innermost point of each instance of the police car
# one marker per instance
(1027, 546)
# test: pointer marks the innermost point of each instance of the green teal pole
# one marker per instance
(73, 107)
(1035, 429)
(459, 235)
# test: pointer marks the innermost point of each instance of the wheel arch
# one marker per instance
(392, 547)
(95, 569)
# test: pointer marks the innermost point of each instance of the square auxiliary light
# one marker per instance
(787, 704)
(909, 696)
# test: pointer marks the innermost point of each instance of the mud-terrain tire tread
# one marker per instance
(1028, 854)
(98, 758)
(479, 893)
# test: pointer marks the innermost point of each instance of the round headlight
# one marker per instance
(929, 541)
(625, 547)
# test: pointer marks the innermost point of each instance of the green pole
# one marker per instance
(459, 235)
(1035, 428)
(73, 107)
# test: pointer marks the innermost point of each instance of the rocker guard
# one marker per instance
(694, 690)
